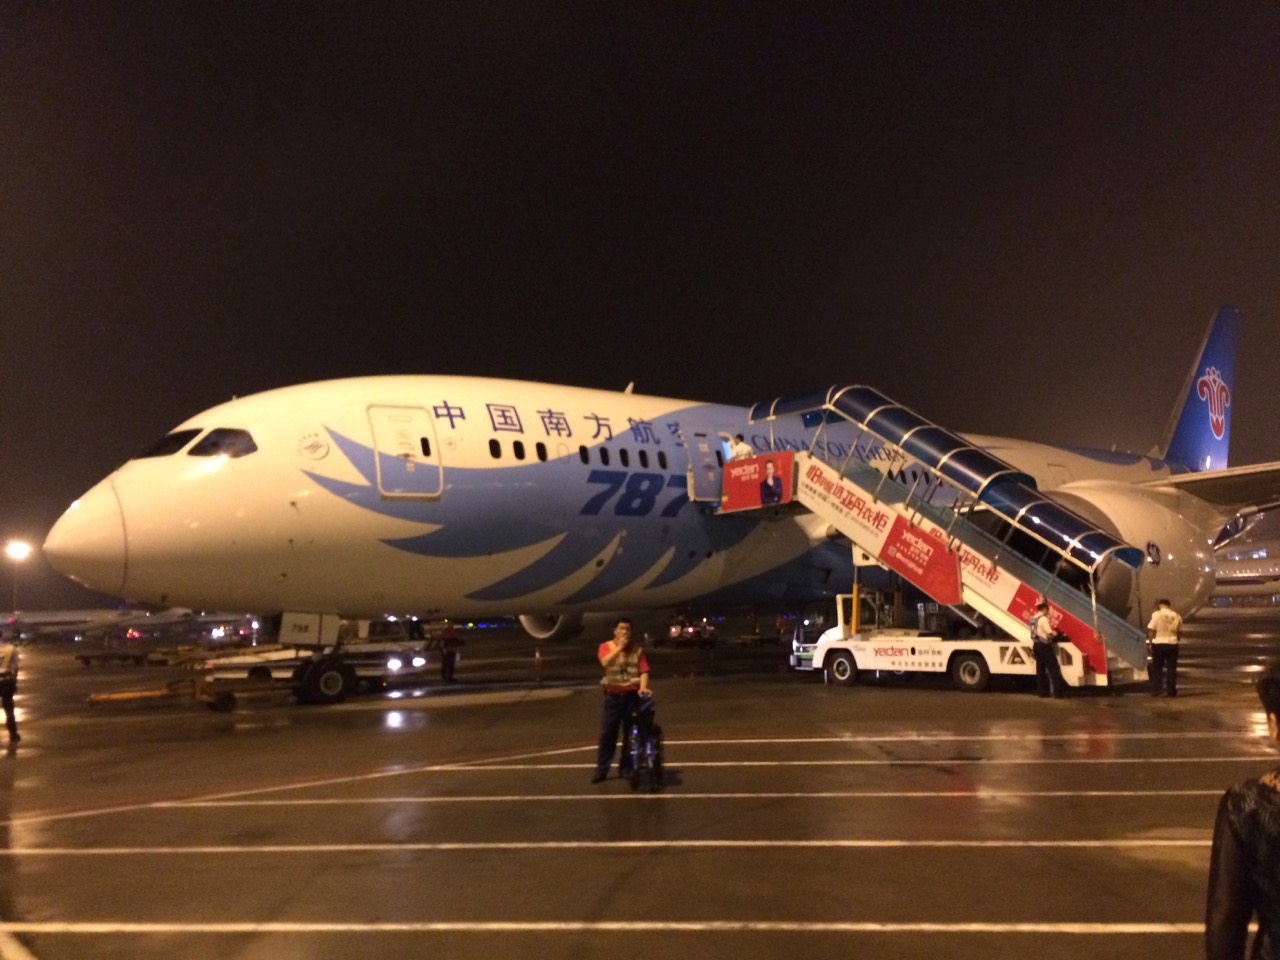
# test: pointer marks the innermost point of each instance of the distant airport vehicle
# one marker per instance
(441, 495)
(698, 633)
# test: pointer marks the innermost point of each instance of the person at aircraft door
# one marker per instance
(1244, 861)
(9, 685)
(741, 450)
(625, 681)
(1164, 630)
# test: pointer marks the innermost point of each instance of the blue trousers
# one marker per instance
(617, 706)
(1049, 682)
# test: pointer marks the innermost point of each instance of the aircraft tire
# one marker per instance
(842, 669)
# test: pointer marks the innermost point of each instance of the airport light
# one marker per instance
(17, 551)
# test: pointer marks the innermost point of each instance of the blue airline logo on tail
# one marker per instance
(1201, 430)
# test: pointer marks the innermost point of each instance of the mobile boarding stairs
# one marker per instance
(969, 530)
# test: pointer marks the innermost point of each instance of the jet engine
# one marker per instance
(551, 626)
(1175, 529)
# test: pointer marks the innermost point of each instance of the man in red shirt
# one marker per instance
(626, 679)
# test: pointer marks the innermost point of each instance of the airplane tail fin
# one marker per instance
(1200, 428)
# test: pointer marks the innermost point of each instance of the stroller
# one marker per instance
(644, 744)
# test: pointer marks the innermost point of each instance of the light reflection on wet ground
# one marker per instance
(896, 820)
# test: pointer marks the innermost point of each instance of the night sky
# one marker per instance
(1016, 218)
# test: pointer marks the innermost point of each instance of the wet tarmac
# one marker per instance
(895, 819)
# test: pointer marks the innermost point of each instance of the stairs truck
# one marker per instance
(845, 651)
(969, 530)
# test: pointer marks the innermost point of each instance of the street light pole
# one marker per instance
(17, 551)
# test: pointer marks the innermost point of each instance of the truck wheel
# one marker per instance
(842, 668)
(223, 702)
(327, 681)
(969, 672)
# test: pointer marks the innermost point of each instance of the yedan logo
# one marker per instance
(1214, 391)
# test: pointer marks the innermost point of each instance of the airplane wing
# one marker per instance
(1246, 490)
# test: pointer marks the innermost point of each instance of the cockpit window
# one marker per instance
(169, 443)
(224, 442)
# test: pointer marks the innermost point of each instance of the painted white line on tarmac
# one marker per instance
(680, 795)
(608, 926)
(11, 949)
(1104, 737)
(858, 762)
(544, 845)
(507, 763)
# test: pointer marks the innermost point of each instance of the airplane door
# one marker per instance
(407, 454)
(706, 463)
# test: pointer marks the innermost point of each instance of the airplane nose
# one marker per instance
(87, 543)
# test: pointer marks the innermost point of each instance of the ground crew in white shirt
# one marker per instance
(740, 450)
(1164, 630)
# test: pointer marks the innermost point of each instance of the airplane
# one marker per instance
(28, 623)
(90, 622)
(1249, 569)
(472, 497)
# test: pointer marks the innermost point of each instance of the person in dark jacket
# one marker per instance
(9, 685)
(1244, 864)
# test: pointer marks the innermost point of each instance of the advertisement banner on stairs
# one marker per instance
(755, 482)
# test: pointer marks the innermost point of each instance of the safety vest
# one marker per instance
(624, 669)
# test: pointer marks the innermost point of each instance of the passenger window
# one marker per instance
(624, 457)
(426, 447)
(584, 455)
(495, 449)
(662, 460)
(517, 447)
(542, 451)
(224, 442)
(644, 459)
(604, 456)
(168, 444)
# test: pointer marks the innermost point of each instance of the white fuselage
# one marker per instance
(469, 496)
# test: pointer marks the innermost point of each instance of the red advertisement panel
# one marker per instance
(924, 560)
(756, 482)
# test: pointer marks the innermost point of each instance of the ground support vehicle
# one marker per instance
(331, 661)
(103, 657)
(698, 633)
(219, 696)
(327, 675)
(841, 654)
(152, 657)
